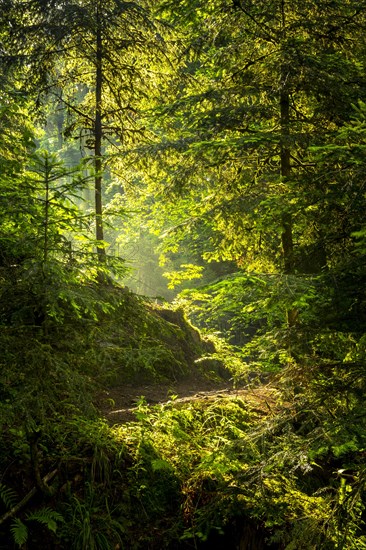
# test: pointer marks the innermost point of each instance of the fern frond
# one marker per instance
(47, 517)
(8, 496)
(19, 531)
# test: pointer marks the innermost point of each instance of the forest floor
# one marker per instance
(118, 404)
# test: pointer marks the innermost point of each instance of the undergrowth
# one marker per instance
(179, 474)
(286, 474)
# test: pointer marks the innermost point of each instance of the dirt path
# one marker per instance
(118, 404)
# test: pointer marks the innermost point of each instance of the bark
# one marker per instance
(98, 138)
(286, 236)
(34, 452)
(47, 208)
(287, 233)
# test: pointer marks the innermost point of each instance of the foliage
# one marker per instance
(91, 524)
(44, 516)
(255, 133)
(191, 471)
(217, 155)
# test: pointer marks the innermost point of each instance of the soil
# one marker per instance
(118, 404)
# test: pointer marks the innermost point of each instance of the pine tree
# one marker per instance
(90, 57)
(264, 82)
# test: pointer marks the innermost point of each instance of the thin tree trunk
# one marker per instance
(60, 124)
(46, 208)
(98, 137)
(287, 233)
(47, 179)
(286, 236)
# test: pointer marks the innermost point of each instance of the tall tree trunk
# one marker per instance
(287, 234)
(98, 137)
(60, 124)
(46, 209)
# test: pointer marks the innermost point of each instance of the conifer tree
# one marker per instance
(90, 57)
(264, 83)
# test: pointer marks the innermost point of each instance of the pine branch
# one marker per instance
(263, 27)
(73, 108)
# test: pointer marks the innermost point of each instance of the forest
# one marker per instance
(183, 274)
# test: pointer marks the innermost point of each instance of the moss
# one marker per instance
(144, 342)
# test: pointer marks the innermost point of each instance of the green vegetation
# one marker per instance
(166, 166)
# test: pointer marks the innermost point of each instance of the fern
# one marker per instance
(19, 531)
(47, 517)
(8, 496)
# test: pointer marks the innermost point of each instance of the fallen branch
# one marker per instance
(27, 497)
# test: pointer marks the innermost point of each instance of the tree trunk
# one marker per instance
(46, 208)
(98, 137)
(286, 235)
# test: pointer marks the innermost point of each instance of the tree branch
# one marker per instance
(262, 26)
(27, 497)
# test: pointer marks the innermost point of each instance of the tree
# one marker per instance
(96, 67)
(264, 83)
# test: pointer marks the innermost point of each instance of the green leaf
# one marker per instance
(8, 496)
(19, 531)
(47, 517)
